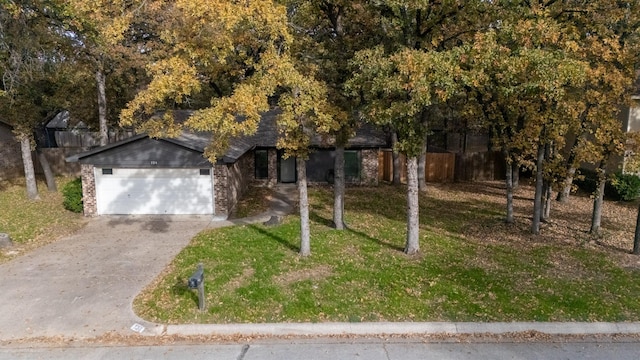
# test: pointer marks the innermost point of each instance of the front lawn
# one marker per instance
(472, 266)
(33, 223)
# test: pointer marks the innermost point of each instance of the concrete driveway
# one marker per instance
(83, 286)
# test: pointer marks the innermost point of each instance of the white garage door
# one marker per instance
(154, 191)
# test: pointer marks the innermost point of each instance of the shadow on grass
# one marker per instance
(490, 189)
(612, 248)
(8, 183)
(275, 237)
(374, 240)
(181, 288)
(317, 218)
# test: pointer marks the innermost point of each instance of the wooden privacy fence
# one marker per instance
(448, 167)
(76, 139)
(480, 166)
(439, 167)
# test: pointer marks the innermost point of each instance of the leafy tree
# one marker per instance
(400, 88)
(609, 44)
(404, 80)
(110, 38)
(305, 112)
(520, 80)
(28, 61)
(237, 55)
(327, 33)
(581, 70)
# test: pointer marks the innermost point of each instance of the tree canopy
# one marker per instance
(526, 72)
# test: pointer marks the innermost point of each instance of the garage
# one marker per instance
(154, 191)
(145, 176)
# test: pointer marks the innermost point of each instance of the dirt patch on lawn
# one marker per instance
(316, 273)
(240, 281)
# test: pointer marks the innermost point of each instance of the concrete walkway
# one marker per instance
(83, 286)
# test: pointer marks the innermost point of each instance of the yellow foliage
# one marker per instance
(245, 43)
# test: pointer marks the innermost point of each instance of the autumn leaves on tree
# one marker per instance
(528, 73)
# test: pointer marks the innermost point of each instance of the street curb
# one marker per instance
(402, 328)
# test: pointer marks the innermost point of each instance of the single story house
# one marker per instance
(143, 175)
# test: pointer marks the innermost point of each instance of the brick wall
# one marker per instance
(369, 158)
(220, 185)
(89, 202)
(272, 170)
(10, 160)
(230, 182)
(273, 167)
(241, 174)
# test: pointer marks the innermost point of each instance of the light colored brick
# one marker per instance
(89, 202)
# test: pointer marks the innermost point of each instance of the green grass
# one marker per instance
(29, 223)
(253, 273)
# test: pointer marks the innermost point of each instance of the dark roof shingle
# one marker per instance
(266, 136)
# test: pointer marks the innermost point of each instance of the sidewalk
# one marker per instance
(399, 328)
(285, 196)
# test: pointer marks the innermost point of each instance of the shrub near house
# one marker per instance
(624, 187)
(72, 193)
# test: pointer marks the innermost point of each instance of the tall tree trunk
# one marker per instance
(546, 195)
(636, 238)
(565, 192)
(509, 184)
(48, 174)
(102, 107)
(572, 166)
(412, 245)
(305, 237)
(537, 201)
(338, 188)
(29, 172)
(396, 159)
(546, 213)
(598, 199)
(422, 164)
(515, 173)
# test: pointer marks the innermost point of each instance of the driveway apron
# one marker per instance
(83, 286)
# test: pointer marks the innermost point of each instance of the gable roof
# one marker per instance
(266, 136)
(62, 120)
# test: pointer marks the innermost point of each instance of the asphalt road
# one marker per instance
(332, 350)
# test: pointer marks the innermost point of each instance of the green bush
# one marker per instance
(72, 193)
(624, 187)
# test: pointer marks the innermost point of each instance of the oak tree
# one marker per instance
(29, 59)
(236, 54)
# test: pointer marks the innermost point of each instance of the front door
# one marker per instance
(287, 169)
